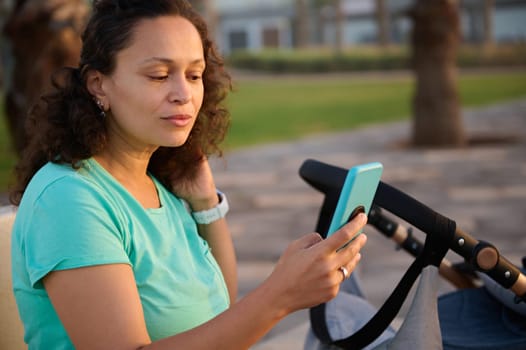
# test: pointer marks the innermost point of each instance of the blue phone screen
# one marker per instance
(358, 190)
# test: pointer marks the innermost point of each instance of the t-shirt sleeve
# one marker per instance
(72, 225)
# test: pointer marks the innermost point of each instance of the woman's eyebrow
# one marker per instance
(171, 61)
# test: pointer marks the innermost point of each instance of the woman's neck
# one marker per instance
(130, 170)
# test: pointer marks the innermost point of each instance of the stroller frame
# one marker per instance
(442, 235)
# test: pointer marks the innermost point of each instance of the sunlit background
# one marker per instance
(321, 70)
(352, 61)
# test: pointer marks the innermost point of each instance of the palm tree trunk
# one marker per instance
(340, 22)
(301, 27)
(489, 6)
(39, 44)
(382, 23)
(435, 39)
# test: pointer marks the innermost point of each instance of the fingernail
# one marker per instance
(363, 218)
(364, 238)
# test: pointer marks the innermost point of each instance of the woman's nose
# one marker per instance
(181, 92)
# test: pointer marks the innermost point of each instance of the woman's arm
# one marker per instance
(218, 236)
(201, 194)
(100, 307)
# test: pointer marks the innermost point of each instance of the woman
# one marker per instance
(120, 240)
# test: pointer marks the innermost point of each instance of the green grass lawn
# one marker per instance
(284, 109)
(275, 110)
(269, 110)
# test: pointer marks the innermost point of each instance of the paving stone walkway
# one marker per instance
(481, 187)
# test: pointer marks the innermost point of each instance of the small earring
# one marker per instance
(101, 107)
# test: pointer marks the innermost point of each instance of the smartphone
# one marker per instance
(356, 195)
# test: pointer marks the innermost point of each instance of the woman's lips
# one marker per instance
(179, 120)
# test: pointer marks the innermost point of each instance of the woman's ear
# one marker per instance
(94, 84)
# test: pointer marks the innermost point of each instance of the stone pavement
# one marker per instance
(481, 187)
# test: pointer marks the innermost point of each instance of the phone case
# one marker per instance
(357, 193)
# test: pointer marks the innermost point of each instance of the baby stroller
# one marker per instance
(487, 311)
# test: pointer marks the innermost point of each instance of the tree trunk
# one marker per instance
(301, 27)
(43, 36)
(340, 22)
(435, 38)
(382, 23)
(489, 6)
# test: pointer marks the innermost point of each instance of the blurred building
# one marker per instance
(257, 24)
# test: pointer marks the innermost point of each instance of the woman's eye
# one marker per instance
(195, 77)
(159, 77)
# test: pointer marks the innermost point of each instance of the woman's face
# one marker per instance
(156, 90)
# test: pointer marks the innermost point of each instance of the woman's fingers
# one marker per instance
(349, 267)
(311, 269)
(309, 240)
(341, 237)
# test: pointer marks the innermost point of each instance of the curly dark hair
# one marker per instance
(65, 126)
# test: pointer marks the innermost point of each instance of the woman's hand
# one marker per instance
(308, 273)
(200, 193)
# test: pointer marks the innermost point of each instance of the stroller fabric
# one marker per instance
(349, 311)
(461, 320)
(482, 318)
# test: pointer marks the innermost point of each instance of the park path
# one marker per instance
(482, 187)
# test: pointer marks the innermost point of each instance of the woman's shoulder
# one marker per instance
(60, 180)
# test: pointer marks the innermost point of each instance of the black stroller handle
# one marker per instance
(484, 257)
(329, 180)
(404, 238)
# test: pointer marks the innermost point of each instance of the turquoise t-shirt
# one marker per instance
(73, 218)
